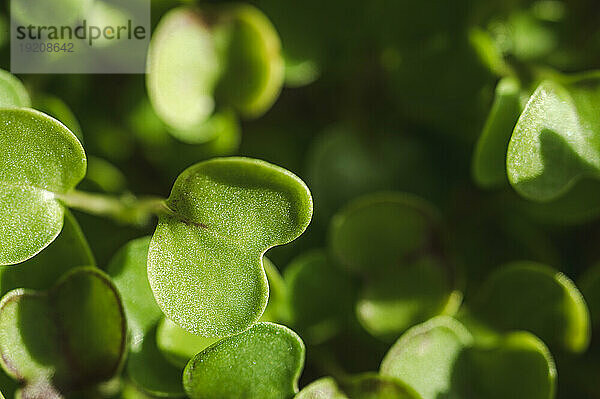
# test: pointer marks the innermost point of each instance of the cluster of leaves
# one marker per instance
(424, 295)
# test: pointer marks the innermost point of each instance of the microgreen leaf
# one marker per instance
(590, 288)
(67, 338)
(537, 298)
(58, 109)
(179, 345)
(151, 371)
(555, 141)
(128, 271)
(68, 251)
(364, 386)
(12, 92)
(262, 362)
(395, 242)
(489, 159)
(320, 296)
(40, 160)
(517, 365)
(254, 69)
(183, 69)
(224, 214)
(146, 365)
(439, 341)
(324, 388)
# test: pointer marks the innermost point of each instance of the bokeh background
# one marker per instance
(384, 95)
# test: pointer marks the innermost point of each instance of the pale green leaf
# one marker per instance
(12, 92)
(40, 159)
(183, 68)
(555, 142)
(254, 69)
(205, 260)
(489, 159)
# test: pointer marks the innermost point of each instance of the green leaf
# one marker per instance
(183, 69)
(129, 273)
(440, 342)
(379, 231)
(146, 365)
(364, 386)
(151, 371)
(395, 242)
(324, 388)
(517, 365)
(489, 159)
(58, 109)
(320, 296)
(254, 69)
(374, 386)
(537, 298)
(70, 337)
(179, 345)
(12, 92)
(40, 159)
(205, 260)
(405, 297)
(277, 308)
(263, 362)
(590, 288)
(555, 142)
(68, 251)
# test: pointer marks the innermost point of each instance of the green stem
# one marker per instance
(126, 209)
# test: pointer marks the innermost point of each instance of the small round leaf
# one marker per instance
(537, 298)
(70, 337)
(263, 362)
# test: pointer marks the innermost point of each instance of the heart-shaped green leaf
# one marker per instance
(68, 338)
(556, 141)
(537, 298)
(183, 68)
(40, 159)
(321, 297)
(364, 386)
(489, 159)
(146, 365)
(205, 259)
(440, 342)
(395, 241)
(68, 251)
(253, 65)
(12, 92)
(179, 345)
(440, 359)
(263, 362)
